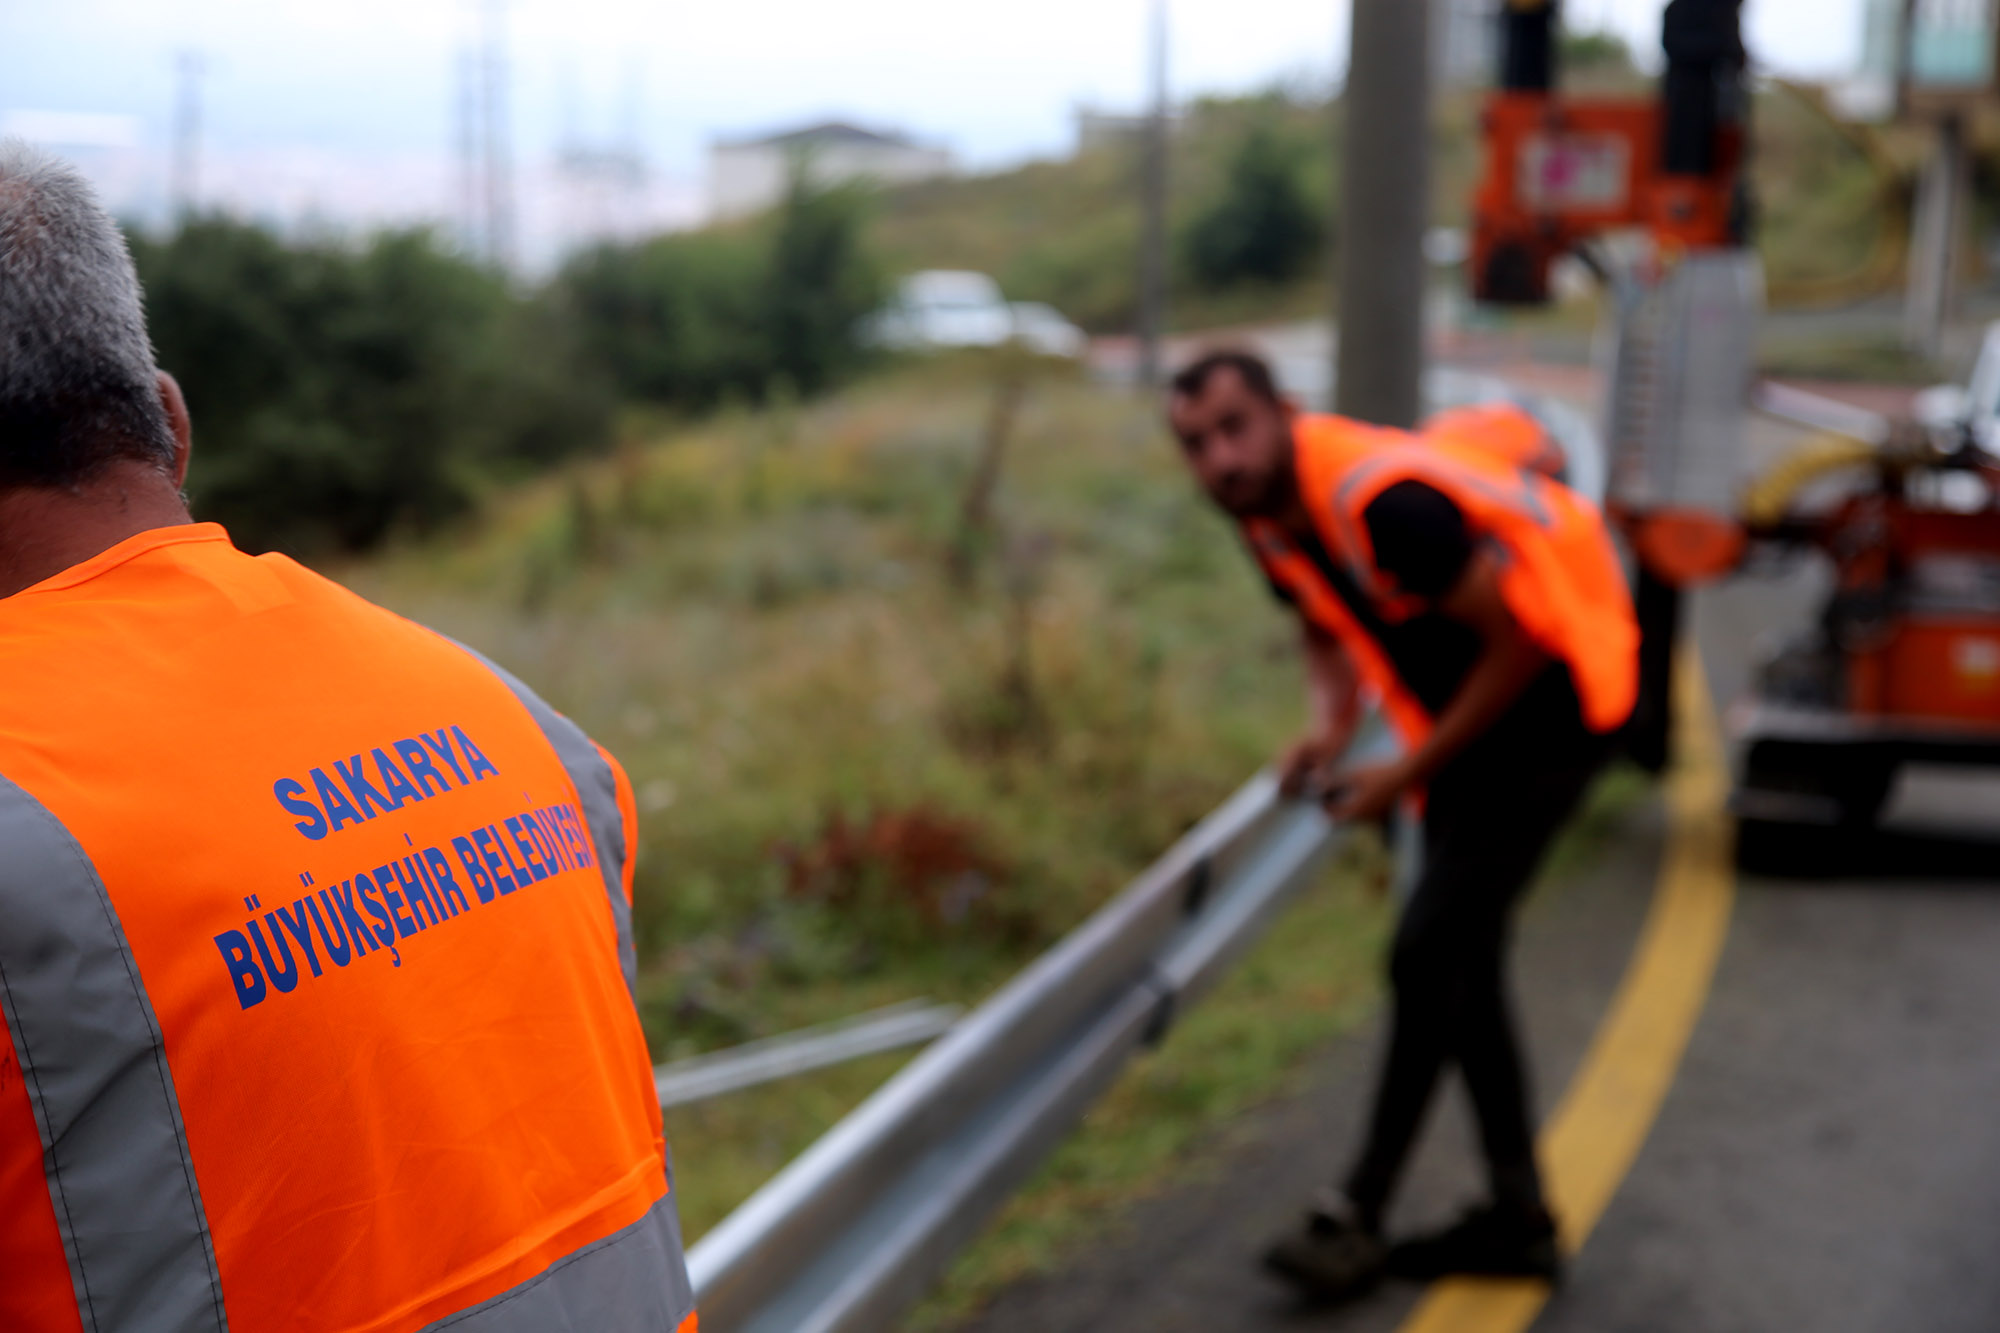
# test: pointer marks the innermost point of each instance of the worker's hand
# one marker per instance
(1302, 767)
(1366, 794)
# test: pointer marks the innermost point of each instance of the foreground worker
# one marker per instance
(1482, 602)
(315, 946)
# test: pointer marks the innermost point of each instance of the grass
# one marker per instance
(1863, 355)
(1067, 231)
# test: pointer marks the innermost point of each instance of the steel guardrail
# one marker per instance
(856, 1228)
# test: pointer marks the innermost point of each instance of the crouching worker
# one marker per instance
(316, 956)
(1481, 602)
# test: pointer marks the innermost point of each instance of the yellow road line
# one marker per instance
(1594, 1136)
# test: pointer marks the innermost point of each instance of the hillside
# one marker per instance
(1066, 232)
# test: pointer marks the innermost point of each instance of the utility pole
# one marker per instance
(498, 165)
(185, 174)
(465, 149)
(1385, 209)
(1153, 222)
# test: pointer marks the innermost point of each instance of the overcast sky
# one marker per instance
(334, 80)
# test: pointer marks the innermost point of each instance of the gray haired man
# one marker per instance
(305, 1023)
(93, 439)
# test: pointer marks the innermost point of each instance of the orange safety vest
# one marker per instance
(1560, 575)
(315, 970)
(1499, 430)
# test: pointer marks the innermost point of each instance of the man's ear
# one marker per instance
(183, 428)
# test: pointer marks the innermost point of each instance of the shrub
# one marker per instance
(695, 319)
(1263, 227)
(342, 393)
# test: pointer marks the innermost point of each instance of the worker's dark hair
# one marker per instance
(1255, 371)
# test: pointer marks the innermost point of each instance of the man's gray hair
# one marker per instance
(77, 383)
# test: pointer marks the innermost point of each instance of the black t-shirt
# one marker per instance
(1422, 547)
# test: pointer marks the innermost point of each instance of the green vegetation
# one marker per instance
(1833, 202)
(1067, 232)
(1595, 56)
(345, 392)
(1865, 355)
(348, 392)
(1263, 227)
(692, 319)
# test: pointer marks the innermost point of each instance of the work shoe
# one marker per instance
(1487, 1242)
(1332, 1257)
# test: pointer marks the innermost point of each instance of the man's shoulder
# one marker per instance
(1331, 430)
(199, 628)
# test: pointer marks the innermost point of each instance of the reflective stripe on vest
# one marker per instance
(613, 1283)
(318, 1026)
(91, 1062)
(598, 790)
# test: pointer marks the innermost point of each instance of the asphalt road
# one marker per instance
(1828, 1157)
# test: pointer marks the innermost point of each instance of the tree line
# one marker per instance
(345, 391)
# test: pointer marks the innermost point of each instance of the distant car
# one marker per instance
(944, 308)
(1043, 331)
(947, 308)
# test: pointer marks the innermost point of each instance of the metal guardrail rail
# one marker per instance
(700, 1077)
(1818, 412)
(856, 1228)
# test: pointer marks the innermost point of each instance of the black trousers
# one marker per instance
(1490, 817)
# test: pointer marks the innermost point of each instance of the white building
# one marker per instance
(750, 175)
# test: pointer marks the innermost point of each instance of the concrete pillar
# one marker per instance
(1385, 210)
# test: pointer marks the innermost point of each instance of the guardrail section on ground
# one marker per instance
(856, 1229)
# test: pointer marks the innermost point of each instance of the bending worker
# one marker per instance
(1482, 602)
(316, 960)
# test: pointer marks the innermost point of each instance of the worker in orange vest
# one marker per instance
(316, 956)
(1480, 603)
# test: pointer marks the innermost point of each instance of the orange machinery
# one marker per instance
(1562, 172)
(1903, 662)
